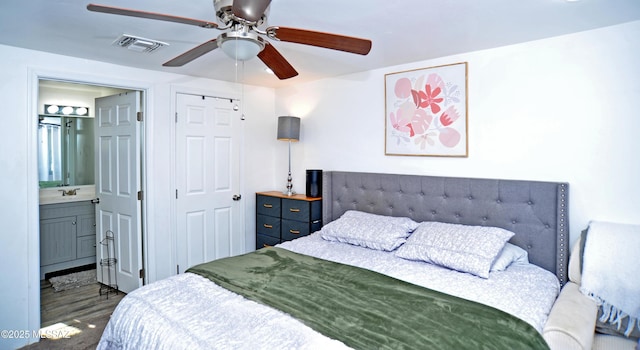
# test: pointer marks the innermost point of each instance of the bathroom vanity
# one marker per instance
(67, 235)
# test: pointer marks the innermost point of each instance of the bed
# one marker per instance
(218, 306)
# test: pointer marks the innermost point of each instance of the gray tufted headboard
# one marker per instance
(535, 211)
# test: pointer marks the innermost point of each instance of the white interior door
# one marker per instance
(117, 185)
(209, 211)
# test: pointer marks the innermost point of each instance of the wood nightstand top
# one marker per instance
(295, 196)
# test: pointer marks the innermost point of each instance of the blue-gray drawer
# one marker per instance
(51, 211)
(292, 229)
(295, 210)
(86, 247)
(267, 205)
(316, 225)
(268, 225)
(263, 241)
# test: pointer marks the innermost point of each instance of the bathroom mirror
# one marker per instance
(65, 151)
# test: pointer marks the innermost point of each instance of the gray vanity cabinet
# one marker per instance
(67, 236)
(57, 240)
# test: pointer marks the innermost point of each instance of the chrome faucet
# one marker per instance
(69, 192)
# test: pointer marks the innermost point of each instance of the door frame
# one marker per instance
(33, 199)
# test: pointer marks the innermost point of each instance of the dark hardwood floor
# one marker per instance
(79, 315)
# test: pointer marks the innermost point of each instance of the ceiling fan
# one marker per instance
(243, 39)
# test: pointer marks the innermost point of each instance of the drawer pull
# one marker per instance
(295, 232)
(267, 226)
(267, 205)
(294, 210)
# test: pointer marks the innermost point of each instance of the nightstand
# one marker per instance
(281, 218)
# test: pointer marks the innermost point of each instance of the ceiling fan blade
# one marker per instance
(192, 54)
(150, 15)
(276, 62)
(321, 39)
(251, 10)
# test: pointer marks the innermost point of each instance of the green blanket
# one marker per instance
(366, 309)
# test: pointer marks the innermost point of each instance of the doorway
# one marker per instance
(76, 160)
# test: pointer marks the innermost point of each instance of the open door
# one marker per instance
(118, 182)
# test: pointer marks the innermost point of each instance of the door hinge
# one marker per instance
(177, 269)
(139, 116)
(142, 273)
(176, 193)
(176, 117)
(140, 195)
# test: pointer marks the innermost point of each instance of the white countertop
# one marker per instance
(54, 195)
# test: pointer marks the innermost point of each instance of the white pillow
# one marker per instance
(510, 254)
(463, 248)
(403, 222)
(369, 230)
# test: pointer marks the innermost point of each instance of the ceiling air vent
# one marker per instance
(138, 44)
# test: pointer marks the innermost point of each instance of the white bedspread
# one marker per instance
(190, 312)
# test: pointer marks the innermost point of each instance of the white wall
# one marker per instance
(19, 241)
(561, 109)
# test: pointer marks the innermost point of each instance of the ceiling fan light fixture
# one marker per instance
(240, 45)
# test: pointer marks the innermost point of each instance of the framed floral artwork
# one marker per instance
(426, 112)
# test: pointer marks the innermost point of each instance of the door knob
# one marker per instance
(237, 197)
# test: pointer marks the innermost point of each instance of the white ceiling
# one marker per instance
(402, 31)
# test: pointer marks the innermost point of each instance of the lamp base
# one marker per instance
(289, 191)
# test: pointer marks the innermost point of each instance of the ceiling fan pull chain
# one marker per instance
(242, 93)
